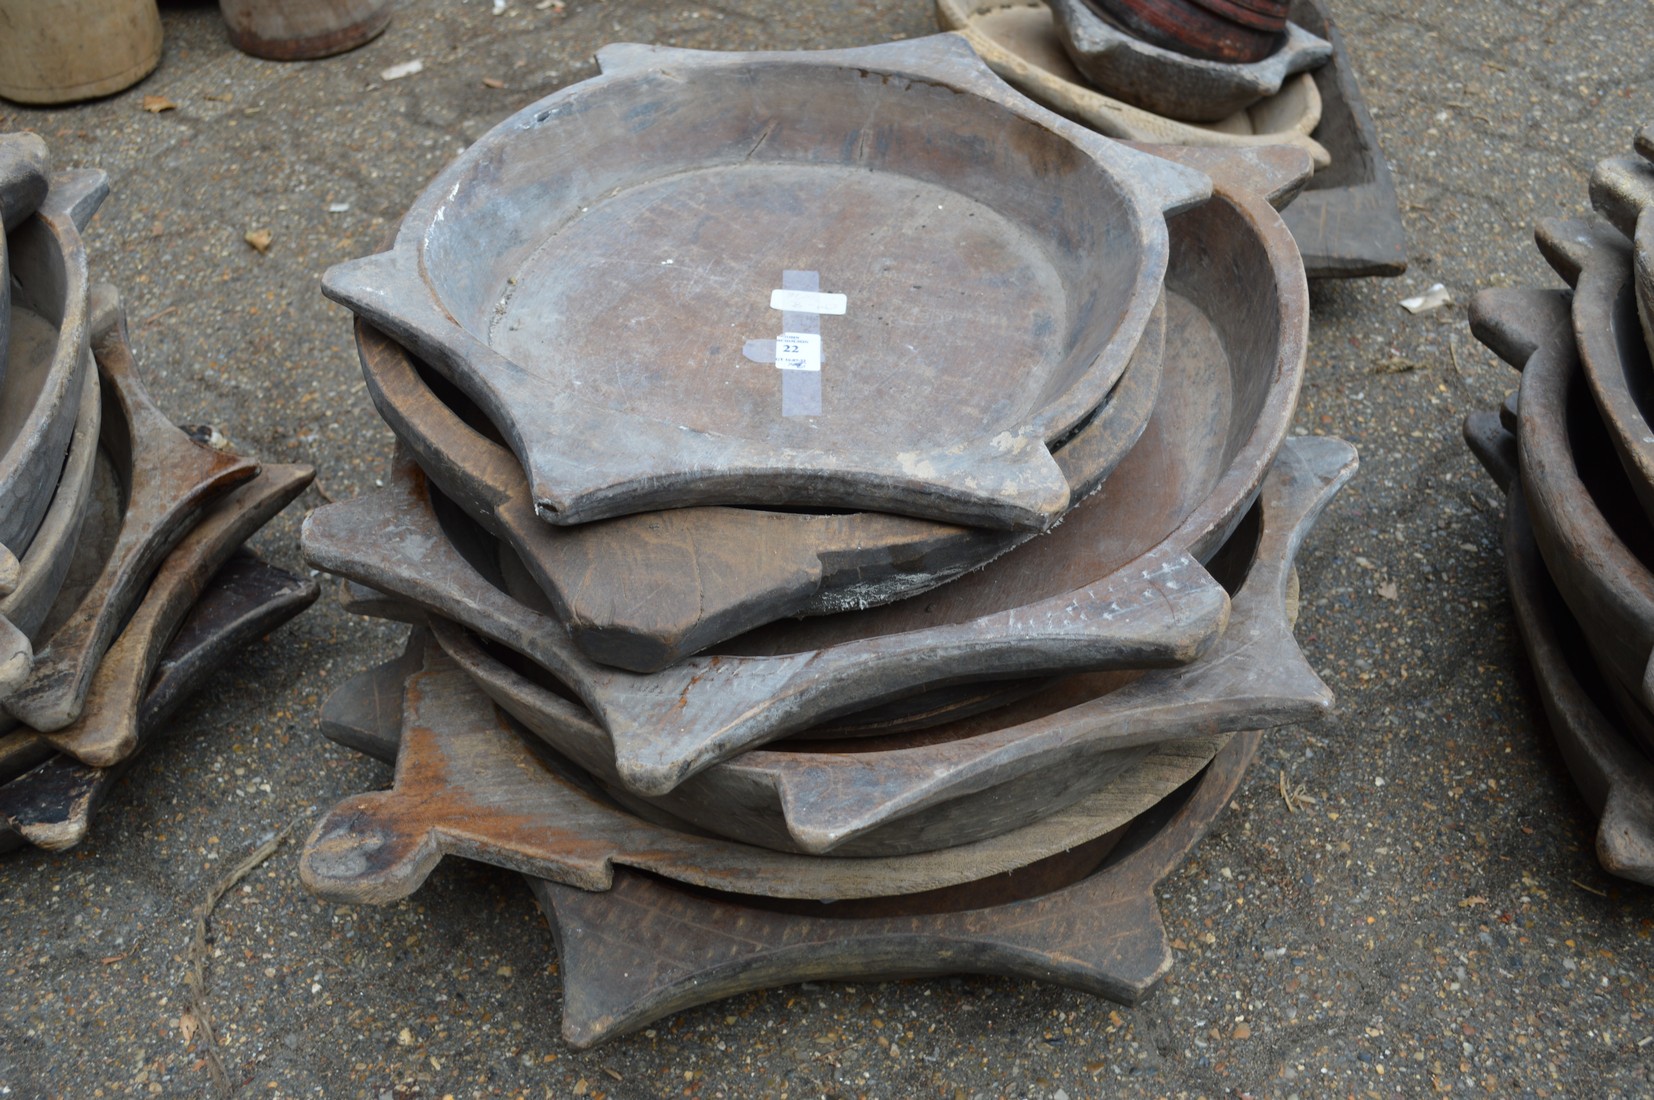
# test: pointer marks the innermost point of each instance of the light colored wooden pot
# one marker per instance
(60, 51)
(293, 30)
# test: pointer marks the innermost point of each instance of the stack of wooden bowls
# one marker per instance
(1079, 63)
(122, 580)
(1574, 451)
(847, 517)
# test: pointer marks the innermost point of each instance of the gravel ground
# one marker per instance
(1433, 920)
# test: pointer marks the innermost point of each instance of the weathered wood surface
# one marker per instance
(1494, 447)
(468, 784)
(294, 30)
(1615, 359)
(44, 566)
(108, 728)
(1000, 770)
(1514, 323)
(24, 164)
(24, 167)
(1586, 519)
(641, 592)
(51, 806)
(1347, 221)
(1615, 778)
(1217, 439)
(46, 356)
(70, 50)
(172, 480)
(647, 948)
(1621, 189)
(1211, 29)
(1643, 276)
(365, 712)
(1019, 41)
(1275, 173)
(1007, 356)
(1177, 84)
(1154, 609)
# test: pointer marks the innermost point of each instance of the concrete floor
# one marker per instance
(1435, 921)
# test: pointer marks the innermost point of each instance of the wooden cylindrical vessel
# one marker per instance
(60, 51)
(295, 30)
(1236, 31)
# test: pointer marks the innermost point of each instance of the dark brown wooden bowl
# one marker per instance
(1215, 30)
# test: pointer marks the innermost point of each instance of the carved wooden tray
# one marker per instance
(46, 562)
(108, 728)
(468, 784)
(1018, 39)
(649, 947)
(1616, 780)
(51, 805)
(972, 778)
(1155, 609)
(23, 168)
(1347, 221)
(1033, 289)
(172, 479)
(1233, 258)
(1585, 518)
(730, 569)
(1174, 84)
(47, 352)
(742, 567)
(1610, 340)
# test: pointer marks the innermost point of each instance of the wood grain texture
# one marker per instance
(1586, 520)
(296, 30)
(1019, 41)
(1621, 189)
(45, 564)
(1348, 220)
(647, 947)
(468, 784)
(46, 356)
(974, 778)
(1615, 778)
(108, 729)
(51, 806)
(365, 712)
(25, 166)
(1018, 331)
(173, 479)
(1185, 483)
(1615, 358)
(1212, 30)
(1514, 323)
(1643, 276)
(641, 592)
(1155, 609)
(1175, 83)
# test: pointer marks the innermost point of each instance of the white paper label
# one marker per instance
(808, 301)
(798, 351)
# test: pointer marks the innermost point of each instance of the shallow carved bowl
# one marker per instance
(1175, 84)
(48, 354)
(596, 271)
(1019, 41)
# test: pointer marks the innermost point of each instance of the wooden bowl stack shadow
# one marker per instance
(787, 717)
(124, 583)
(1573, 449)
